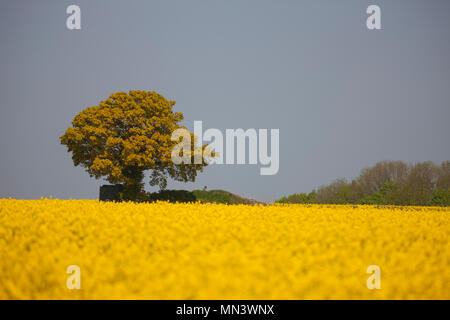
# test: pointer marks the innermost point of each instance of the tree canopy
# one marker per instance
(387, 182)
(127, 134)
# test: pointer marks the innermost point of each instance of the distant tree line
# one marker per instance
(386, 183)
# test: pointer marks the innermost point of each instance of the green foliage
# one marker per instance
(441, 198)
(387, 182)
(338, 192)
(384, 196)
(299, 198)
(221, 196)
(217, 196)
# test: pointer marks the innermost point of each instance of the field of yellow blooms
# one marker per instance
(212, 251)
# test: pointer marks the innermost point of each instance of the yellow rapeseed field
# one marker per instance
(212, 251)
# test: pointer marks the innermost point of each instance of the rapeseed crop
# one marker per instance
(213, 251)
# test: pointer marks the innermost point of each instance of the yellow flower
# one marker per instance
(213, 251)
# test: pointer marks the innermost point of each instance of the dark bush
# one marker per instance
(172, 196)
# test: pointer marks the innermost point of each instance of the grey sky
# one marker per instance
(343, 97)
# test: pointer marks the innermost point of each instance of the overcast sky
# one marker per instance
(343, 96)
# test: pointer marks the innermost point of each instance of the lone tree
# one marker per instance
(127, 134)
